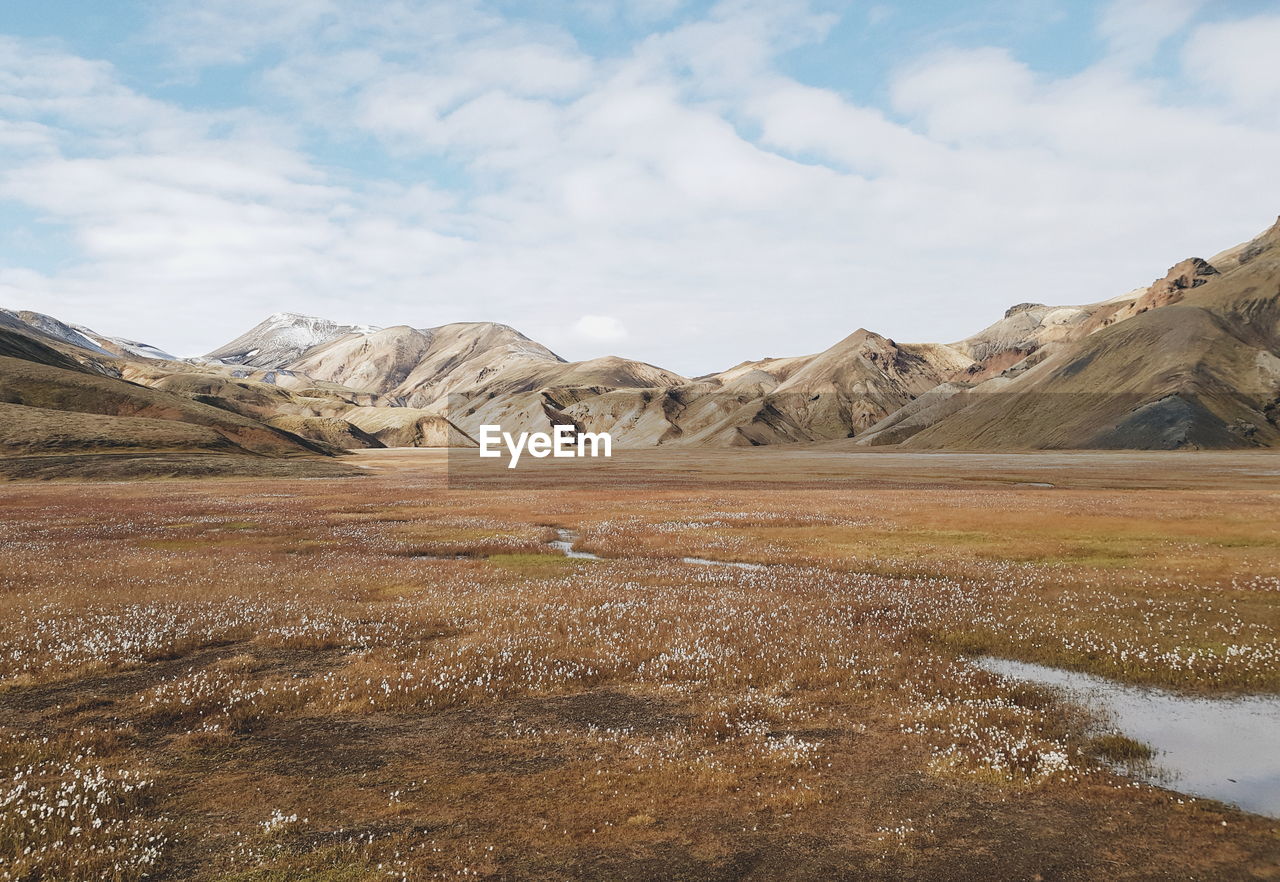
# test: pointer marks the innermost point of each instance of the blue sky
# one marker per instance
(688, 183)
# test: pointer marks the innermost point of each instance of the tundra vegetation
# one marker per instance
(389, 677)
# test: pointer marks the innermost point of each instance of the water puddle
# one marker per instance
(564, 544)
(1220, 748)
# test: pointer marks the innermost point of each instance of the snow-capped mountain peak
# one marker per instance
(282, 337)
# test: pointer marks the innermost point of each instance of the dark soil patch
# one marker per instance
(22, 705)
(326, 746)
(471, 740)
(610, 710)
(81, 695)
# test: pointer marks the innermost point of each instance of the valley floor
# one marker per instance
(396, 676)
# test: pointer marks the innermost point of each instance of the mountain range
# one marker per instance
(1190, 361)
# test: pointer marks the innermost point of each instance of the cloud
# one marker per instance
(1239, 60)
(967, 96)
(600, 328)
(642, 11)
(1135, 29)
(230, 32)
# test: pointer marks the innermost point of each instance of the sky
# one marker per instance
(691, 184)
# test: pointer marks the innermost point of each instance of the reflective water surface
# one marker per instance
(1222, 748)
(565, 546)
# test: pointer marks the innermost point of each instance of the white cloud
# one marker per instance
(600, 328)
(26, 137)
(1135, 29)
(642, 11)
(1239, 60)
(229, 31)
(967, 96)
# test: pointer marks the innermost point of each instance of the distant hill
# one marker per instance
(1190, 361)
(52, 404)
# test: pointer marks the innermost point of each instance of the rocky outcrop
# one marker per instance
(1181, 278)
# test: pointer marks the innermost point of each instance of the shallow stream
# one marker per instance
(566, 539)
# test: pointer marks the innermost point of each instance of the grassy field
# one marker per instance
(394, 677)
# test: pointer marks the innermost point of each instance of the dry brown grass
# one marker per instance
(386, 678)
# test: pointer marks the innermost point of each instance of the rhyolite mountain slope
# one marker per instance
(67, 411)
(447, 381)
(421, 366)
(1191, 360)
(282, 337)
(83, 339)
(51, 403)
(833, 394)
(49, 327)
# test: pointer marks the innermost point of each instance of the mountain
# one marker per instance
(281, 338)
(46, 385)
(67, 416)
(1191, 360)
(306, 407)
(82, 338)
(16, 342)
(51, 328)
(452, 379)
(408, 427)
(124, 347)
(856, 382)
(832, 394)
(421, 366)
(335, 432)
